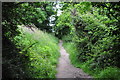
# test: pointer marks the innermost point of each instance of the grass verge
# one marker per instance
(39, 53)
(109, 72)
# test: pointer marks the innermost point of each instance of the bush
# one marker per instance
(38, 54)
(110, 72)
(98, 73)
(95, 35)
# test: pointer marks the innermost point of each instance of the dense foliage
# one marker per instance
(91, 32)
(95, 32)
(27, 53)
(36, 57)
(26, 13)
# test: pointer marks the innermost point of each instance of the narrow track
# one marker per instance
(65, 69)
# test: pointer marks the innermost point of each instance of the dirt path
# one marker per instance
(65, 69)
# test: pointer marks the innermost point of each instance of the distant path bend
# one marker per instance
(65, 69)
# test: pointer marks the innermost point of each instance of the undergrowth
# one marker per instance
(97, 73)
(38, 51)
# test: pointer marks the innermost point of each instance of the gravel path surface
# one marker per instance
(65, 69)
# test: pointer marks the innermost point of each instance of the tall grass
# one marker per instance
(108, 72)
(38, 51)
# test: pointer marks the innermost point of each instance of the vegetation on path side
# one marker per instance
(91, 33)
(108, 72)
(25, 53)
(38, 54)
